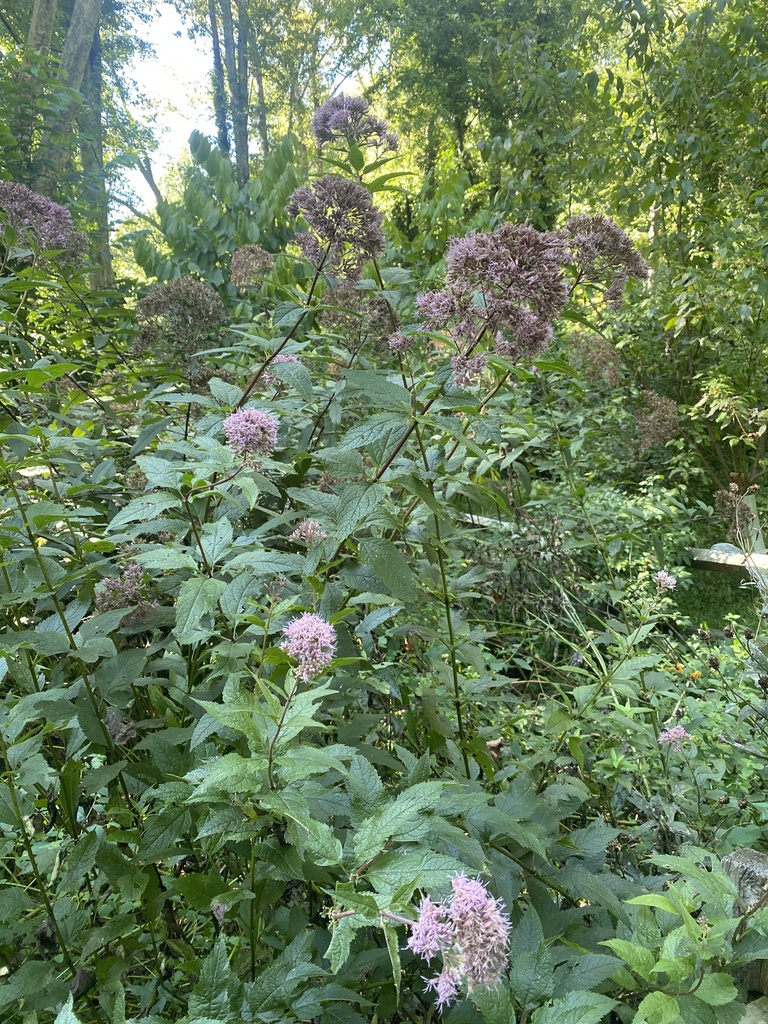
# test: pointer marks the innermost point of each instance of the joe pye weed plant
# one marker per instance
(246, 707)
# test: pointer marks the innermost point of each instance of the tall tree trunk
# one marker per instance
(41, 25)
(219, 91)
(262, 114)
(92, 157)
(235, 59)
(74, 59)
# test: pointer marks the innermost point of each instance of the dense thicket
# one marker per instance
(353, 669)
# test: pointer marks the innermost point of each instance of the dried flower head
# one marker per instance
(470, 931)
(605, 254)
(125, 591)
(311, 640)
(658, 422)
(251, 432)
(181, 318)
(344, 225)
(674, 736)
(250, 264)
(399, 342)
(664, 580)
(39, 222)
(597, 359)
(736, 513)
(349, 118)
(310, 532)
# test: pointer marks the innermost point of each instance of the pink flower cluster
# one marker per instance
(674, 736)
(664, 580)
(251, 432)
(470, 931)
(311, 640)
(310, 532)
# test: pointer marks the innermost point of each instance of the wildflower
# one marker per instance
(250, 263)
(344, 225)
(348, 118)
(470, 931)
(466, 370)
(39, 222)
(508, 280)
(121, 591)
(664, 580)
(251, 431)
(674, 736)
(311, 640)
(309, 531)
(604, 253)
(399, 343)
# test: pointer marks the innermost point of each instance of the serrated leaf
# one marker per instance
(356, 503)
(657, 1008)
(382, 428)
(210, 996)
(575, 1008)
(384, 394)
(161, 472)
(197, 598)
(295, 374)
(161, 832)
(638, 958)
(165, 558)
(66, 1014)
(392, 568)
(531, 977)
(148, 506)
(716, 989)
(402, 819)
(267, 563)
(494, 1004)
(392, 940)
(216, 540)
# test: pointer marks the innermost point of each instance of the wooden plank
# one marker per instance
(727, 561)
(756, 1012)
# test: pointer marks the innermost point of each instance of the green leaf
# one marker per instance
(197, 598)
(494, 1004)
(531, 977)
(575, 1008)
(402, 819)
(640, 959)
(384, 394)
(147, 507)
(66, 1014)
(165, 558)
(392, 568)
(161, 472)
(382, 428)
(267, 563)
(356, 503)
(657, 1008)
(716, 989)
(392, 940)
(162, 831)
(216, 539)
(210, 996)
(295, 374)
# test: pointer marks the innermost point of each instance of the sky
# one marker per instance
(176, 83)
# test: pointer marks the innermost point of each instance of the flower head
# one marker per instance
(123, 590)
(344, 225)
(466, 370)
(251, 432)
(250, 263)
(311, 640)
(348, 117)
(309, 531)
(399, 342)
(674, 736)
(38, 221)
(508, 280)
(470, 931)
(604, 253)
(664, 580)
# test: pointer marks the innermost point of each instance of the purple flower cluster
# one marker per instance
(674, 736)
(349, 118)
(310, 532)
(470, 931)
(39, 222)
(508, 282)
(251, 432)
(125, 591)
(344, 226)
(605, 254)
(399, 343)
(467, 370)
(311, 640)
